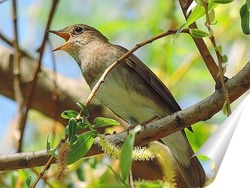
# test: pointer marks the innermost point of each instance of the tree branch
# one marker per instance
(29, 97)
(201, 111)
(201, 45)
(45, 87)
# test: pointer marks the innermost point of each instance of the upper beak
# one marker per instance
(65, 35)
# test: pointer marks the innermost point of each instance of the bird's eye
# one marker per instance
(78, 30)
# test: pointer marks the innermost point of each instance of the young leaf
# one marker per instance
(218, 49)
(48, 145)
(82, 125)
(179, 31)
(81, 147)
(72, 129)
(103, 122)
(117, 175)
(245, 18)
(222, 1)
(84, 109)
(28, 181)
(224, 59)
(126, 154)
(198, 12)
(198, 33)
(67, 114)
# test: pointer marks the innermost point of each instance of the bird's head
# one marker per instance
(76, 37)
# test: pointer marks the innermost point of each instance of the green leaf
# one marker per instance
(126, 154)
(103, 122)
(178, 32)
(82, 125)
(198, 33)
(245, 15)
(72, 130)
(212, 16)
(80, 174)
(48, 145)
(218, 49)
(81, 147)
(224, 59)
(222, 1)
(84, 109)
(28, 181)
(67, 114)
(198, 12)
(117, 175)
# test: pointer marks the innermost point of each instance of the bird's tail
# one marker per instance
(190, 167)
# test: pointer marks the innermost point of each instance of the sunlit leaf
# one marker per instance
(218, 49)
(103, 122)
(179, 31)
(81, 147)
(222, 1)
(126, 154)
(224, 59)
(84, 109)
(198, 33)
(198, 12)
(82, 125)
(67, 114)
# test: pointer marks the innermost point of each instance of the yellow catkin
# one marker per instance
(162, 158)
(62, 167)
(113, 151)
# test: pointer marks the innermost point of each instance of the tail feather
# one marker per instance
(190, 167)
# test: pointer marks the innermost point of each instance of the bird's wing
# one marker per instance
(151, 79)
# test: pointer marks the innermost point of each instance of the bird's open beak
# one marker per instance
(65, 35)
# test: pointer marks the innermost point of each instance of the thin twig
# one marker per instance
(118, 61)
(47, 165)
(131, 180)
(38, 67)
(17, 76)
(219, 58)
(37, 70)
(202, 47)
(11, 43)
(55, 94)
(44, 179)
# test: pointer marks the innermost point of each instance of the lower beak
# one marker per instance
(65, 35)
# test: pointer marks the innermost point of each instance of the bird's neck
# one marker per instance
(93, 61)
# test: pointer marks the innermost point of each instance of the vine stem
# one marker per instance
(219, 58)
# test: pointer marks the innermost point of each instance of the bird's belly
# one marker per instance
(128, 104)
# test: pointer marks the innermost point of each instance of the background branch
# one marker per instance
(43, 98)
(201, 45)
(30, 95)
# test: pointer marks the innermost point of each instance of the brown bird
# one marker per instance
(131, 90)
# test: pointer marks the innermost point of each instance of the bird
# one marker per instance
(131, 90)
